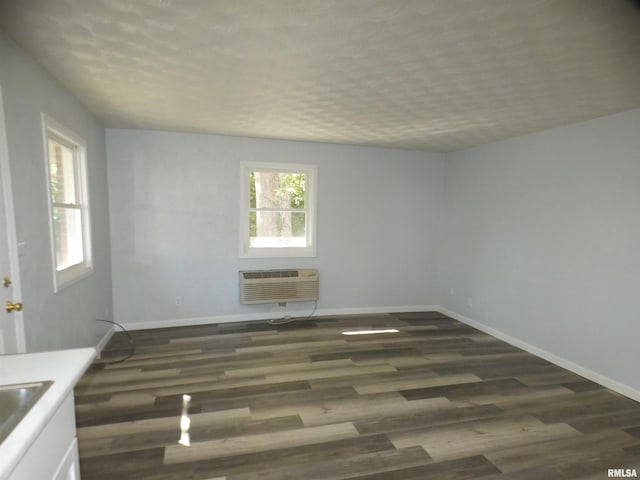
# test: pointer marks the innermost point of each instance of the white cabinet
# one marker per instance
(42, 446)
(54, 453)
(69, 468)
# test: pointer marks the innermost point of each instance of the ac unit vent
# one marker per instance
(278, 286)
(270, 274)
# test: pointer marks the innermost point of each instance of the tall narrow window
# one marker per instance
(68, 199)
(278, 211)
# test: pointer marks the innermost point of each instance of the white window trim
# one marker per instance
(311, 205)
(74, 273)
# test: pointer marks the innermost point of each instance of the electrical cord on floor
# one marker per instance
(285, 320)
(132, 345)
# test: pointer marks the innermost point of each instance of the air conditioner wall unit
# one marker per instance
(278, 286)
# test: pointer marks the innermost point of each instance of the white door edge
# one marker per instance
(12, 237)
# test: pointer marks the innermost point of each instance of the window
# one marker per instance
(68, 201)
(278, 210)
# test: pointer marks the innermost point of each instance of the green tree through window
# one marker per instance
(278, 215)
(277, 202)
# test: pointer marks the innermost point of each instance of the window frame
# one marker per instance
(310, 202)
(66, 137)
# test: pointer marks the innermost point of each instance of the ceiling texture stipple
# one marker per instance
(433, 75)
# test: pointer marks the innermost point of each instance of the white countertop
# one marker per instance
(64, 368)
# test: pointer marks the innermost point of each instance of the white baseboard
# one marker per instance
(104, 340)
(247, 317)
(603, 380)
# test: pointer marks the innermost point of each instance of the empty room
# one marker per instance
(319, 240)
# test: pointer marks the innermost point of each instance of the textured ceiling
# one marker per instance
(436, 75)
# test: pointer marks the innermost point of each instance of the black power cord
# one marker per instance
(131, 344)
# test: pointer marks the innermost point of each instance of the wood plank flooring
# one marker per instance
(302, 401)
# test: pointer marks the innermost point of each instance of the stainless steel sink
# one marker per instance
(16, 401)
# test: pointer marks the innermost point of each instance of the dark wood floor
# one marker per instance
(438, 400)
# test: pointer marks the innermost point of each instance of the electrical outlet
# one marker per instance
(452, 291)
(356, 292)
(470, 301)
(178, 301)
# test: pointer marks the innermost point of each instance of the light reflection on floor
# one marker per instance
(370, 332)
(185, 422)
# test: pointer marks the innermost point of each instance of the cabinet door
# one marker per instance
(56, 442)
(69, 468)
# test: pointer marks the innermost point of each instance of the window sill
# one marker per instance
(284, 252)
(71, 275)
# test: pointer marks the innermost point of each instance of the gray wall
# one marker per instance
(541, 239)
(67, 318)
(175, 220)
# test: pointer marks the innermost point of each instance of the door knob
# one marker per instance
(10, 307)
